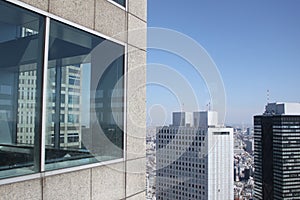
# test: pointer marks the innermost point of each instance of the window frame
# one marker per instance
(47, 17)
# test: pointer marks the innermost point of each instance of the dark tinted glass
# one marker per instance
(121, 2)
(21, 50)
(85, 101)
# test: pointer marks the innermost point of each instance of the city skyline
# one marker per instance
(255, 46)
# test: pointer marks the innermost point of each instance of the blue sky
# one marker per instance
(255, 45)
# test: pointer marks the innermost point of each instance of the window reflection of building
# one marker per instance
(21, 43)
(26, 105)
(70, 104)
(77, 69)
(70, 129)
(79, 128)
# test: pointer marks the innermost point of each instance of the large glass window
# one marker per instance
(21, 50)
(84, 102)
(86, 125)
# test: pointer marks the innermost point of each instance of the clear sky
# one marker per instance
(255, 45)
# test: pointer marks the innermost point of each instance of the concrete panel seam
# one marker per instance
(134, 15)
(138, 48)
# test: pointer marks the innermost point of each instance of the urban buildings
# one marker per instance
(151, 162)
(194, 162)
(277, 152)
(72, 99)
(243, 164)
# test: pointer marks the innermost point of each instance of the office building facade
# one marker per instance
(277, 152)
(195, 162)
(72, 99)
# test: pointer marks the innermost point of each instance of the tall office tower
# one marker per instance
(195, 162)
(26, 107)
(277, 152)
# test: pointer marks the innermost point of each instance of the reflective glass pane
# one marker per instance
(85, 98)
(121, 2)
(21, 50)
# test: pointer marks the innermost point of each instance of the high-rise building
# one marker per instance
(277, 152)
(248, 131)
(195, 162)
(72, 110)
(182, 119)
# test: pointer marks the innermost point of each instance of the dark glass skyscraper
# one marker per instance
(277, 152)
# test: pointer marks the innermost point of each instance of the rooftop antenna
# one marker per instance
(182, 107)
(208, 106)
(268, 96)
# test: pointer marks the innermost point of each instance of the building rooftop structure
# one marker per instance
(282, 108)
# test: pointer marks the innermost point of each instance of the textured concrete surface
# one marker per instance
(78, 11)
(138, 8)
(27, 190)
(115, 23)
(108, 182)
(135, 176)
(139, 196)
(137, 32)
(74, 185)
(41, 4)
(136, 111)
(135, 147)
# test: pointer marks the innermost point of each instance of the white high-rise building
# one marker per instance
(195, 162)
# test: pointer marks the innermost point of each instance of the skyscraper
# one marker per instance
(195, 162)
(277, 152)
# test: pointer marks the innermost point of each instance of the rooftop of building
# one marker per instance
(282, 108)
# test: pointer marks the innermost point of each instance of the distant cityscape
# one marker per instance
(261, 155)
(83, 83)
